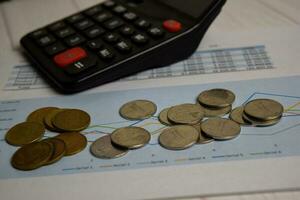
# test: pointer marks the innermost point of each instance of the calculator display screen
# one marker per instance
(194, 8)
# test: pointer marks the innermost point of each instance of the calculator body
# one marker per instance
(115, 39)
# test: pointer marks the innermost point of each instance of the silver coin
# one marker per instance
(103, 148)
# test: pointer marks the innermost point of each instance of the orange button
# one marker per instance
(70, 56)
(172, 26)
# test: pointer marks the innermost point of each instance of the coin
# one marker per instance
(103, 148)
(163, 117)
(203, 139)
(237, 116)
(32, 156)
(221, 129)
(218, 98)
(138, 110)
(186, 114)
(71, 120)
(260, 123)
(130, 137)
(39, 114)
(264, 109)
(212, 112)
(178, 137)
(25, 133)
(49, 118)
(75, 142)
(59, 150)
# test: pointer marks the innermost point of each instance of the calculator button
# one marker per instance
(94, 32)
(94, 10)
(74, 40)
(119, 9)
(65, 32)
(103, 17)
(39, 33)
(127, 31)
(70, 56)
(172, 26)
(106, 54)
(129, 16)
(46, 40)
(75, 18)
(140, 39)
(95, 44)
(123, 46)
(111, 38)
(109, 4)
(56, 26)
(113, 24)
(156, 32)
(141, 23)
(81, 65)
(84, 24)
(55, 48)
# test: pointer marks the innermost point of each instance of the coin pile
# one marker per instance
(34, 152)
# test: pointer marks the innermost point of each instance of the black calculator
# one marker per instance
(118, 38)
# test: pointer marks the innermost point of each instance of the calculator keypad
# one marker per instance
(103, 33)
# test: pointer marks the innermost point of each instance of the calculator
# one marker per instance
(115, 39)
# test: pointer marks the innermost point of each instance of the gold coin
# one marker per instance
(130, 137)
(237, 116)
(103, 148)
(32, 156)
(216, 112)
(264, 109)
(186, 114)
(39, 115)
(163, 117)
(260, 123)
(59, 150)
(138, 110)
(75, 142)
(221, 129)
(203, 139)
(217, 98)
(71, 120)
(25, 133)
(178, 137)
(49, 118)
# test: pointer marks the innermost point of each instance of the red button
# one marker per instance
(70, 56)
(172, 26)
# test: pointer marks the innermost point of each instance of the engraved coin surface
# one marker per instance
(32, 156)
(218, 98)
(203, 139)
(178, 137)
(260, 123)
(130, 137)
(75, 142)
(25, 133)
(71, 120)
(221, 129)
(39, 115)
(103, 148)
(237, 116)
(138, 109)
(212, 112)
(48, 119)
(59, 150)
(163, 117)
(264, 109)
(186, 114)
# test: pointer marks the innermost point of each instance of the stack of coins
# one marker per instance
(124, 139)
(35, 152)
(259, 113)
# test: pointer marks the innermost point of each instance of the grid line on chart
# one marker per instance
(201, 62)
